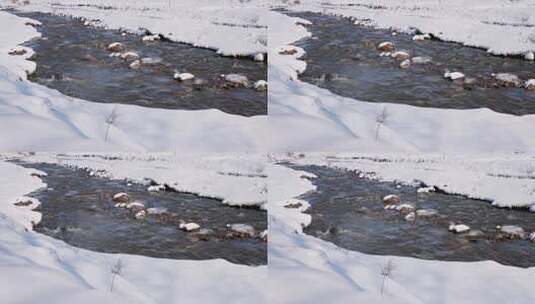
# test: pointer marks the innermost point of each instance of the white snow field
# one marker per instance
(305, 269)
(36, 268)
(33, 117)
(307, 118)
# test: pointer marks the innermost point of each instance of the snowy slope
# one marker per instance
(60, 273)
(304, 269)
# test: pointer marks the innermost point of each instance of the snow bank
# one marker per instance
(304, 269)
(61, 273)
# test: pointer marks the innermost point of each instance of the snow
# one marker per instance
(304, 269)
(61, 273)
(530, 84)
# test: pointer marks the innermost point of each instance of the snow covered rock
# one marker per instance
(507, 79)
(259, 57)
(121, 197)
(421, 37)
(140, 215)
(149, 38)
(426, 212)
(385, 54)
(386, 46)
(237, 79)
(532, 236)
(116, 47)
(115, 54)
(189, 226)
(458, 228)
(156, 188)
(243, 230)
(410, 217)
(150, 60)
(425, 189)
(264, 235)
(156, 210)
(183, 76)
(135, 65)
(405, 64)
(260, 85)
(513, 232)
(391, 199)
(421, 59)
(135, 206)
(529, 56)
(129, 55)
(530, 85)
(453, 75)
(400, 55)
(405, 208)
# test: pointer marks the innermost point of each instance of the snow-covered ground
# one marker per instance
(60, 273)
(321, 121)
(33, 117)
(304, 269)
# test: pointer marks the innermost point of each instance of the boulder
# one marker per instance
(400, 55)
(183, 76)
(507, 79)
(530, 85)
(458, 228)
(410, 217)
(426, 212)
(189, 226)
(386, 46)
(259, 57)
(129, 55)
(405, 64)
(116, 47)
(260, 85)
(421, 59)
(243, 230)
(513, 232)
(135, 206)
(140, 215)
(405, 208)
(532, 236)
(453, 75)
(237, 79)
(121, 197)
(150, 38)
(135, 65)
(391, 199)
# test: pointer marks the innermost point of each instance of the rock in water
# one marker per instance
(140, 215)
(183, 76)
(386, 46)
(121, 197)
(507, 79)
(513, 232)
(150, 38)
(421, 59)
(259, 57)
(391, 199)
(459, 228)
(426, 212)
(400, 55)
(530, 85)
(243, 230)
(454, 75)
(116, 47)
(237, 79)
(410, 217)
(189, 226)
(135, 65)
(129, 55)
(529, 56)
(405, 64)
(260, 85)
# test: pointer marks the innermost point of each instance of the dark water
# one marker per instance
(343, 58)
(348, 211)
(73, 59)
(79, 210)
